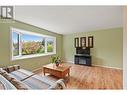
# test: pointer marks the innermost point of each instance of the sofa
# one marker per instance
(14, 77)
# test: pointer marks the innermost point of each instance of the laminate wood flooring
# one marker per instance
(85, 77)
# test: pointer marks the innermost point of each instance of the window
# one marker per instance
(32, 44)
(15, 44)
(50, 43)
(27, 44)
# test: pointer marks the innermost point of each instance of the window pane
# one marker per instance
(32, 44)
(15, 38)
(50, 43)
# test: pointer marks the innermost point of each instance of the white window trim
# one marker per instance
(33, 55)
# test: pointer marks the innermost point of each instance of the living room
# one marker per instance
(38, 34)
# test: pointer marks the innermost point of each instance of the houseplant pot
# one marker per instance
(56, 60)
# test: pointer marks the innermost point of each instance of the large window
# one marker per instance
(27, 44)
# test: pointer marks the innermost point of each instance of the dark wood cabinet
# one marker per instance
(83, 59)
(82, 56)
(83, 47)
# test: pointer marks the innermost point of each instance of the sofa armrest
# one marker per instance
(58, 85)
(10, 69)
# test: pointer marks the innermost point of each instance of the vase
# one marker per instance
(57, 64)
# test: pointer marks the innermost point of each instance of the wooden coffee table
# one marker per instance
(60, 71)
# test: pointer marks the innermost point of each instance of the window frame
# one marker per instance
(20, 32)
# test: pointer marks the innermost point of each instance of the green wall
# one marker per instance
(29, 63)
(107, 51)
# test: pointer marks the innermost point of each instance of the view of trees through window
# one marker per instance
(29, 44)
(50, 45)
(15, 44)
(32, 44)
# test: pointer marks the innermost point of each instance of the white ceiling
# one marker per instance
(70, 19)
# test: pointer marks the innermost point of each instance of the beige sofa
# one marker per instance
(13, 77)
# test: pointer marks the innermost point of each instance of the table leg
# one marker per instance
(68, 73)
(44, 71)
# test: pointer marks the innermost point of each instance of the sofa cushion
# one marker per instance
(19, 85)
(44, 82)
(21, 74)
(8, 76)
(6, 84)
(2, 71)
(36, 84)
(10, 69)
(58, 85)
(16, 67)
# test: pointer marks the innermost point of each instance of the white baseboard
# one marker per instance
(107, 67)
(69, 62)
(98, 65)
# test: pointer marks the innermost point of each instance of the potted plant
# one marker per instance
(56, 60)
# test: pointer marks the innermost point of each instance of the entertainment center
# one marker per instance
(82, 56)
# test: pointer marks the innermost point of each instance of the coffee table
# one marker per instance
(60, 71)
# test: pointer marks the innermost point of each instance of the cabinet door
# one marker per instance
(83, 41)
(76, 60)
(76, 42)
(90, 41)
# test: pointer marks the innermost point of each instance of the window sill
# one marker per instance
(30, 56)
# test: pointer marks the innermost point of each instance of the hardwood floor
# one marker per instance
(84, 77)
